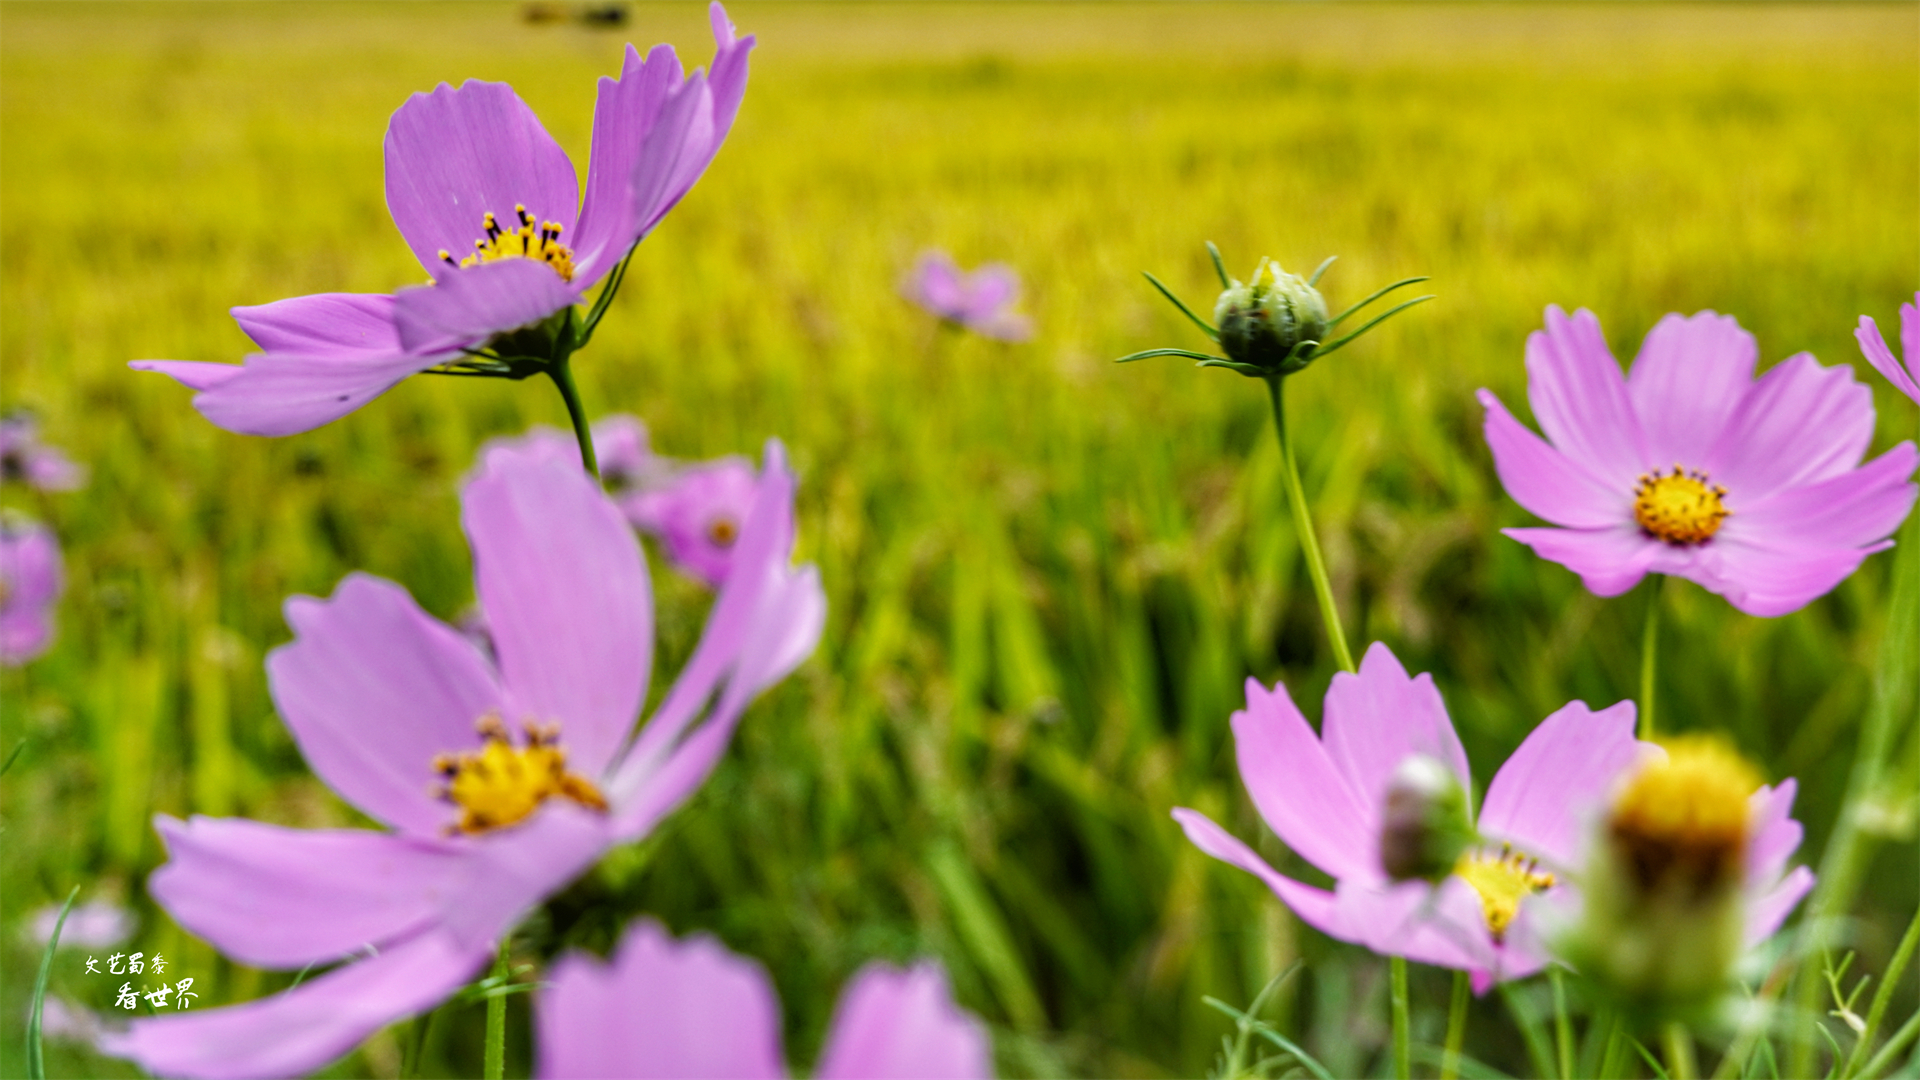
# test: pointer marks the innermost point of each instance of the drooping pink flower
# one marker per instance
(1754, 489)
(696, 510)
(690, 1009)
(981, 301)
(30, 583)
(1326, 798)
(25, 458)
(492, 208)
(535, 751)
(1905, 379)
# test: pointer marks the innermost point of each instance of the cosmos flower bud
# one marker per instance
(1425, 827)
(1664, 912)
(1264, 323)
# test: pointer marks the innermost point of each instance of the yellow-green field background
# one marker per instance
(1048, 575)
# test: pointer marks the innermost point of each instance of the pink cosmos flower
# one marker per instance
(25, 458)
(1753, 489)
(696, 511)
(96, 924)
(1326, 798)
(981, 301)
(535, 753)
(691, 1009)
(1904, 379)
(30, 583)
(491, 206)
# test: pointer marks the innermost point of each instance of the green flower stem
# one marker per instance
(562, 373)
(1613, 1060)
(36, 1060)
(1402, 1045)
(1562, 1024)
(495, 1065)
(1649, 654)
(1882, 997)
(1850, 848)
(1678, 1043)
(1323, 591)
(1456, 1026)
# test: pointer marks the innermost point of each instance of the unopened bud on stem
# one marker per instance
(1272, 322)
(1426, 826)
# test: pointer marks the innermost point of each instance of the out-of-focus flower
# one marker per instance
(981, 301)
(96, 924)
(61, 1019)
(690, 1008)
(1754, 489)
(30, 582)
(1327, 797)
(23, 457)
(696, 511)
(491, 206)
(1686, 873)
(619, 442)
(1905, 379)
(535, 775)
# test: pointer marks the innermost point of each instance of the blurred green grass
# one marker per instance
(1048, 576)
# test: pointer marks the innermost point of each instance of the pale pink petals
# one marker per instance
(1299, 791)
(1580, 398)
(1874, 347)
(1379, 718)
(902, 1024)
(1562, 772)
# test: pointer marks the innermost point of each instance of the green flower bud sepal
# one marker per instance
(1273, 325)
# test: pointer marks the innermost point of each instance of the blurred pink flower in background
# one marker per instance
(96, 924)
(23, 457)
(1753, 489)
(30, 582)
(981, 301)
(689, 1008)
(1905, 378)
(696, 511)
(382, 699)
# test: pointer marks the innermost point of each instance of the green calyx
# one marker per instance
(1427, 825)
(1274, 325)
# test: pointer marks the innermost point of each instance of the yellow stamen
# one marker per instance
(1680, 507)
(500, 784)
(1502, 880)
(534, 239)
(722, 532)
(1683, 822)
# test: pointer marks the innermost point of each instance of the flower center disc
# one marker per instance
(532, 240)
(1680, 507)
(1502, 881)
(501, 783)
(722, 532)
(1683, 822)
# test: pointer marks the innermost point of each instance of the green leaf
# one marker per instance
(36, 1056)
(1219, 267)
(1375, 295)
(1150, 353)
(1315, 278)
(1203, 324)
(1376, 321)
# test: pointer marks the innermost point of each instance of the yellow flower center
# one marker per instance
(1502, 880)
(501, 783)
(722, 532)
(534, 239)
(1683, 822)
(1680, 507)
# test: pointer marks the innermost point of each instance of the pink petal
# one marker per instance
(1767, 911)
(1800, 424)
(509, 871)
(1545, 481)
(1580, 399)
(373, 689)
(192, 374)
(565, 591)
(1689, 377)
(1543, 799)
(1609, 561)
(1299, 790)
(1910, 332)
(284, 898)
(1774, 835)
(322, 324)
(471, 305)
(1769, 581)
(1850, 510)
(1380, 717)
(991, 287)
(894, 1024)
(1314, 906)
(302, 1029)
(288, 393)
(935, 284)
(662, 1008)
(454, 155)
(1874, 347)
(623, 113)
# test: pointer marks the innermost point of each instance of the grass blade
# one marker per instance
(1219, 267)
(1203, 324)
(36, 1055)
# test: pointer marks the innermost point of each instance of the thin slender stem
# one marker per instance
(1649, 652)
(1316, 565)
(1616, 1052)
(1678, 1044)
(1889, 981)
(1562, 1024)
(1456, 1025)
(1883, 1060)
(562, 373)
(1402, 1044)
(495, 1065)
